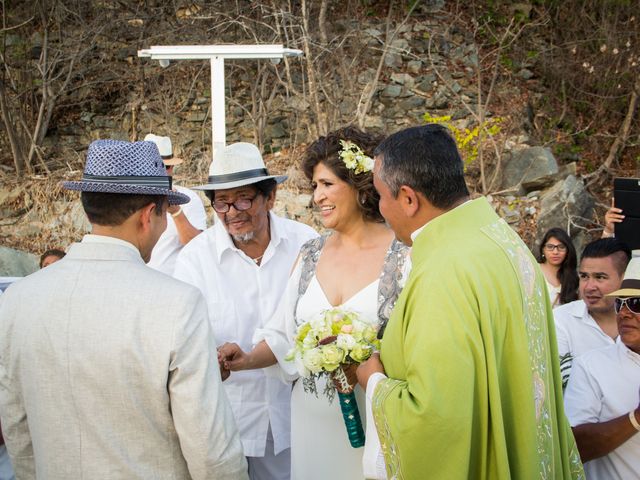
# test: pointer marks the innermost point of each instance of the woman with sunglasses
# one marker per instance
(558, 262)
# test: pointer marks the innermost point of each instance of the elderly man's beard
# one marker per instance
(243, 237)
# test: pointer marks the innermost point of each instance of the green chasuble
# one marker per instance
(474, 387)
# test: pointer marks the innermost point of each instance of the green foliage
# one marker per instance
(469, 141)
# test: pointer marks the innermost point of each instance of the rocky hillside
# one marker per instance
(376, 65)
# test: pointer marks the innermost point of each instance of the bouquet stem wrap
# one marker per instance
(349, 407)
(351, 417)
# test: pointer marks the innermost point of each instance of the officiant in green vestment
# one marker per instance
(467, 384)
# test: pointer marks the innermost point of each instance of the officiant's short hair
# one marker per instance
(426, 159)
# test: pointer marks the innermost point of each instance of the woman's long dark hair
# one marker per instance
(567, 274)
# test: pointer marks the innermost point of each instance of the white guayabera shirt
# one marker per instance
(604, 385)
(242, 296)
(165, 253)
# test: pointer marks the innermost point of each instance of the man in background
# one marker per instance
(184, 222)
(603, 395)
(590, 322)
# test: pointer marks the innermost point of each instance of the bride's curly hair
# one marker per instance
(327, 150)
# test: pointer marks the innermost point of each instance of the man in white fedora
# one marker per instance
(102, 373)
(241, 265)
(603, 395)
(184, 222)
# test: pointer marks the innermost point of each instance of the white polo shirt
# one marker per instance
(242, 296)
(165, 253)
(604, 385)
(577, 333)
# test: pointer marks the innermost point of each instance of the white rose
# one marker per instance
(312, 360)
(345, 342)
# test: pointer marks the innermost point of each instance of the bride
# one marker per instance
(358, 266)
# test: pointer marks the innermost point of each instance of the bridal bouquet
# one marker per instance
(327, 344)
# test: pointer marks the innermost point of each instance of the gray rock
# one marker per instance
(456, 87)
(400, 44)
(566, 204)
(196, 116)
(532, 168)
(403, 79)
(471, 60)
(392, 60)
(391, 91)
(275, 130)
(366, 76)
(525, 74)
(511, 215)
(373, 32)
(103, 122)
(14, 263)
(298, 103)
(460, 114)
(411, 102)
(568, 169)
(373, 122)
(86, 116)
(441, 101)
(414, 66)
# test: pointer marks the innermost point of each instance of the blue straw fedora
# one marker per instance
(134, 168)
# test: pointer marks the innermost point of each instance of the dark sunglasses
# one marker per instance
(632, 303)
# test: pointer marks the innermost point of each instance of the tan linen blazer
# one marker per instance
(108, 370)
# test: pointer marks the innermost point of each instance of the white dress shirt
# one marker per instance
(242, 296)
(604, 385)
(577, 333)
(165, 253)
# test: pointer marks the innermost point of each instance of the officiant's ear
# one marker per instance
(409, 200)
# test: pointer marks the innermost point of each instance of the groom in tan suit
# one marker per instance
(108, 368)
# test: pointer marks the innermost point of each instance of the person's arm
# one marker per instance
(15, 426)
(186, 231)
(613, 216)
(564, 348)
(235, 359)
(596, 440)
(202, 416)
(583, 401)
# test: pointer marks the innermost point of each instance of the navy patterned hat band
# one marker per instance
(115, 166)
(151, 181)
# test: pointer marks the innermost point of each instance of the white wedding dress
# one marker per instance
(320, 448)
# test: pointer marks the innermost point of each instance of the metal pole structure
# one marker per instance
(218, 127)
(217, 54)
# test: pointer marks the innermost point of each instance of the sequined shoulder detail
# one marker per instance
(390, 282)
(309, 255)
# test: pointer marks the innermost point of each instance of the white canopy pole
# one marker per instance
(218, 127)
(216, 54)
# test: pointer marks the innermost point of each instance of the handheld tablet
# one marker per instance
(626, 192)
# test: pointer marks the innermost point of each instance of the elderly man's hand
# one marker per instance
(224, 372)
(368, 368)
(233, 357)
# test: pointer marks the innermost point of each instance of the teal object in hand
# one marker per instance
(351, 417)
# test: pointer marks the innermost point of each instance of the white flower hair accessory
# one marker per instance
(354, 158)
